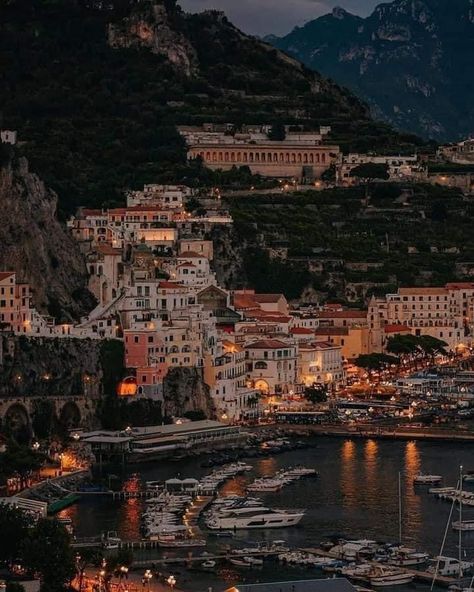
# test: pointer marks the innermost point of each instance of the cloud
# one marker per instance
(260, 17)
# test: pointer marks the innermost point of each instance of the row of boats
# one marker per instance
(167, 518)
(280, 479)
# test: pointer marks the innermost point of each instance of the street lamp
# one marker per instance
(147, 577)
(171, 581)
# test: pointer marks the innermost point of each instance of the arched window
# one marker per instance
(299, 157)
(305, 158)
(275, 157)
(282, 157)
(261, 366)
(226, 157)
(220, 156)
(317, 157)
(311, 158)
(293, 158)
(238, 157)
(208, 156)
(251, 156)
(287, 157)
(323, 157)
(263, 157)
(214, 157)
(245, 156)
(232, 156)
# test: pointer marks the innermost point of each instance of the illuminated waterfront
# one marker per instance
(355, 496)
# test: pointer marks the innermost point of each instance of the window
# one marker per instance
(136, 339)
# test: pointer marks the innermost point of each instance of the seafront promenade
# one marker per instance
(383, 432)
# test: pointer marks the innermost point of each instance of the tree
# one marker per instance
(277, 133)
(47, 551)
(14, 529)
(368, 172)
(20, 460)
(317, 393)
(329, 175)
(439, 211)
(375, 362)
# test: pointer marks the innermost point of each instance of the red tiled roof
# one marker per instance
(108, 250)
(267, 344)
(396, 328)
(245, 301)
(5, 274)
(165, 285)
(460, 286)
(416, 290)
(266, 298)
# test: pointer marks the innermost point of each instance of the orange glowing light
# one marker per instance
(127, 387)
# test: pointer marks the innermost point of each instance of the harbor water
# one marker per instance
(355, 496)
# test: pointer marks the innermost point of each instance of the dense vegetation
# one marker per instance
(95, 120)
(407, 235)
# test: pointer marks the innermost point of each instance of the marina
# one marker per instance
(355, 494)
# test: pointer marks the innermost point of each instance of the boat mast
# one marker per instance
(399, 507)
(460, 522)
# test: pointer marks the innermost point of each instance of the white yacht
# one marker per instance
(423, 479)
(380, 576)
(246, 518)
(448, 566)
(463, 525)
(406, 557)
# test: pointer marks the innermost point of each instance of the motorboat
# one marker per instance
(380, 576)
(111, 541)
(209, 564)
(354, 550)
(424, 479)
(251, 518)
(241, 561)
(449, 566)
(464, 525)
(406, 557)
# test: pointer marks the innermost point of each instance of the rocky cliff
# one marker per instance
(55, 367)
(35, 245)
(150, 26)
(185, 390)
(411, 60)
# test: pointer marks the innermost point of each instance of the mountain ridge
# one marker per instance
(410, 60)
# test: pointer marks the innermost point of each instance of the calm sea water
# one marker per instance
(356, 496)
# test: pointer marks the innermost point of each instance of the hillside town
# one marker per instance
(151, 270)
(236, 296)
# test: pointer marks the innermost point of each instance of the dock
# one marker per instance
(419, 575)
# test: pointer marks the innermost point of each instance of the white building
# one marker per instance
(320, 363)
(272, 366)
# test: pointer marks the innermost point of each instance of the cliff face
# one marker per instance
(185, 390)
(411, 59)
(50, 367)
(35, 245)
(149, 26)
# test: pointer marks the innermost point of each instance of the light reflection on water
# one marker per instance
(356, 493)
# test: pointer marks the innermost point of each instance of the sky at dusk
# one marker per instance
(261, 17)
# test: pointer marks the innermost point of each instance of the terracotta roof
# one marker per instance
(301, 331)
(422, 291)
(165, 285)
(108, 250)
(396, 328)
(264, 298)
(191, 255)
(319, 345)
(460, 286)
(6, 274)
(244, 301)
(267, 344)
(343, 314)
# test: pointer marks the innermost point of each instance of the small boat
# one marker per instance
(405, 557)
(386, 576)
(222, 534)
(209, 564)
(423, 479)
(111, 541)
(448, 566)
(463, 525)
(240, 562)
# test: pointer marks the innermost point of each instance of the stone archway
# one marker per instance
(70, 415)
(16, 420)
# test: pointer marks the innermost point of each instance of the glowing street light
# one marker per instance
(171, 581)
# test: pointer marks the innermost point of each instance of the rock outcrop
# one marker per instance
(35, 245)
(149, 26)
(184, 390)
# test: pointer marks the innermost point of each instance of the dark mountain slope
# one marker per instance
(96, 89)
